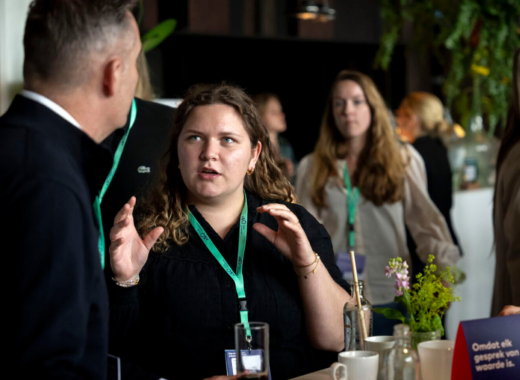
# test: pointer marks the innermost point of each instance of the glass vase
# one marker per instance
(418, 337)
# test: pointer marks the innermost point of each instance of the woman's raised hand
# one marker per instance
(290, 239)
(128, 252)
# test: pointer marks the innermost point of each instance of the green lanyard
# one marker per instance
(99, 198)
(237, 277)
(352, 202)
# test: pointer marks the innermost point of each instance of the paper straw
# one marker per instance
(358, 298)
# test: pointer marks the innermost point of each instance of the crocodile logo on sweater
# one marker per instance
(143, 169)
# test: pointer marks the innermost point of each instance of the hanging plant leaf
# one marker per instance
(158, 34)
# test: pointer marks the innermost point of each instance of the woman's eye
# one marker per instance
(228, 139)
(358, 102)
(194, 138)
(338, 104)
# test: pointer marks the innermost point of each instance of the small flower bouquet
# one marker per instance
(426, 301)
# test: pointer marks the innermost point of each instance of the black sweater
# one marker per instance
(56, 307)
(179, 320)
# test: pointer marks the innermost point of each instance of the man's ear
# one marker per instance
(112, 77)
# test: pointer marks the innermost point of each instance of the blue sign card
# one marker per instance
(345, 265)
(253, 356)
(489, 347)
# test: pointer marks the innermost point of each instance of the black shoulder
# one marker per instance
(155, 111)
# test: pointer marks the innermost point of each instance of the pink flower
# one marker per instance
(388, 271)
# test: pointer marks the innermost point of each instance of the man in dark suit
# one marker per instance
(139, 165)
(80, 76)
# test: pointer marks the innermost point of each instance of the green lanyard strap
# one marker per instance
(99, 197)
(237, 277)
(352, 202)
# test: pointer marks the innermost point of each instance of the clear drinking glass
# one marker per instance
(402, 362)
(252, 350)
(352, 320)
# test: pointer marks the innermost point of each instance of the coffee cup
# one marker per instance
(355, 365)
(436, 359)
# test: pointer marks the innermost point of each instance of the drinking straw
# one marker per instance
(358, 298)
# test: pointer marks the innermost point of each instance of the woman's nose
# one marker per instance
(209, 151)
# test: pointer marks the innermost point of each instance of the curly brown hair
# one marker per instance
(166, 204)
(380, 172)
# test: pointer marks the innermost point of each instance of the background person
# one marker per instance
(421, 118)
(358, 148)
(274, 120)
(80, 77)
(506, 210)
(185, 305)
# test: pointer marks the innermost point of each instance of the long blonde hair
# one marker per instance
(380, 170)
(429, 111)
(166, 204)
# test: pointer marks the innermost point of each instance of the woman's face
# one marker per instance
(350, 109)
(406, 123)
(273, 116)
(214, 153)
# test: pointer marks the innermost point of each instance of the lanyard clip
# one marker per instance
(243, 304)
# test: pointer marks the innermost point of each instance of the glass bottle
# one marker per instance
(479, 154)
(402, 362)
(352, 320)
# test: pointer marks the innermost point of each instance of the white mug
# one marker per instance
(355, 365)
(436, 359)
(382, 345)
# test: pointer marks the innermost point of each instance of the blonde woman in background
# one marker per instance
(420, 119)
(357, 149)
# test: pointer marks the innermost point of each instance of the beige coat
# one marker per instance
(380, 230)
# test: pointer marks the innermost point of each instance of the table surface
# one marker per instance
(320, 375)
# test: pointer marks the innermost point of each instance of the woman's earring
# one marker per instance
(250, 171)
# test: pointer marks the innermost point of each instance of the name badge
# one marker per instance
(345, 265)
(253, 360)
(487, 349)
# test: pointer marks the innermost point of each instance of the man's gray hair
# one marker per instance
(61, 37)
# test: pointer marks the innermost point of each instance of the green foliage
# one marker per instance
(157, 35)
(427, 301)
(474, 40)
(392, 314)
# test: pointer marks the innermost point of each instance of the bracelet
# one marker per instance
(312, 271)
(127, 284)
(305, 266)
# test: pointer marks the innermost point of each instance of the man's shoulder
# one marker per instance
(28, 155)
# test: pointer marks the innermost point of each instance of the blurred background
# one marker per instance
(459, 50)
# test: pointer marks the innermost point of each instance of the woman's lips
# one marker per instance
(208, 174)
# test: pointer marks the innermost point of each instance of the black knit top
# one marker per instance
(179, 320)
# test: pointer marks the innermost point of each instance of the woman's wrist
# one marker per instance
(133, 281)
(306, 261)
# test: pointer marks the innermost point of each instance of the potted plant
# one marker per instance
(425, 302)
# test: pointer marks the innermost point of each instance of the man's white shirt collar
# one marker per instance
(51, 105)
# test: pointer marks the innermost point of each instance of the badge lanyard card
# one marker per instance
(99, 197)
(237, 276)
(343, 260)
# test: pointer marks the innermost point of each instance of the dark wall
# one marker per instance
(299, 71)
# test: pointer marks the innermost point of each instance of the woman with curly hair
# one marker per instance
(364, 185)
(221, 203)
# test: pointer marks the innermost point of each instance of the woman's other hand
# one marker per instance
(509, 310)
(128, 252)
(290, 238)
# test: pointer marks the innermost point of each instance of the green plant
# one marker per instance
(426, 301)
(474, 40)
(156, 35)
